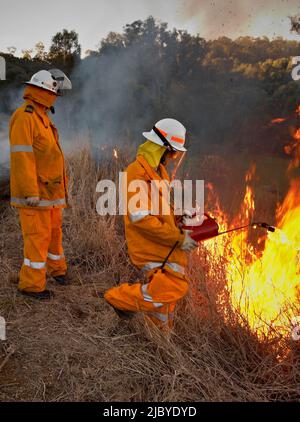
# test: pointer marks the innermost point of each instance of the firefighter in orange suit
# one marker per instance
(38, 183)
(150, 238)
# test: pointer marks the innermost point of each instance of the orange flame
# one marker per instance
(278, 120)
(115, 153)
(293, 148)
(263, 287)
(265, 291)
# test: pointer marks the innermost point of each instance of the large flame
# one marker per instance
(264, 290)
(262, 284)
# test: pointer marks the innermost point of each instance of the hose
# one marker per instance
(254, 225)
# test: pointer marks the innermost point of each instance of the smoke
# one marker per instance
(10, 100)
(121, 92)
(213, 18)
(116, 96)
(234, 18)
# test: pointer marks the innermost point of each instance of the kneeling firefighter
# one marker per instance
(38, 183)
(156, 244)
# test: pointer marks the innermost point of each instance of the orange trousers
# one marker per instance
(42, 237)
(157, 298)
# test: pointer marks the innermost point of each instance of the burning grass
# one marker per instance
(76, 349)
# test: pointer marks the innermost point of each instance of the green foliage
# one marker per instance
(65, 49)
(225, 91)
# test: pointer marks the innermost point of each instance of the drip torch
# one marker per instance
(209, 228)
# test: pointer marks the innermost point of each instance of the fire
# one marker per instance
(293, 148)
(216, 211)
(115, 153)
(297, 135)
(263, 285)
(265, 290)
(278, 120)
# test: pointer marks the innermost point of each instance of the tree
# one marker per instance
(65, 50)
(40, 53)
(224, 90)
(113, 42)
(12, 50)
(65, 44)
(27, 54)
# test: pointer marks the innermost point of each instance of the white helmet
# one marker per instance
(53, 80)
(169, 133)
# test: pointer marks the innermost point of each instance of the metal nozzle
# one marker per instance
(265, 226)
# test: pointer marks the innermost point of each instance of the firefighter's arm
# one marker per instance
(149, 225)
(23, 167)
(153, 229)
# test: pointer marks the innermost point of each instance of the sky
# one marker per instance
(23, 23)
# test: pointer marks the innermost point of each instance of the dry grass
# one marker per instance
(76, 349)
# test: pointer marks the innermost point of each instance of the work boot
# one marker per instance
(62, 280)
(44, 295)
(121, 314)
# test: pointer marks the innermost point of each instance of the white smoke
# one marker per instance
(234, 18)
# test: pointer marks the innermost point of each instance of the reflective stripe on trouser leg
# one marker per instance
(163, 289)
(35, 226)
(148, 298)
(35, 265)
(56, 262)
(175, 267)
(164, 317)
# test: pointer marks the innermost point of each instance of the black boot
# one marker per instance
(62, 280)
(44, 295)
(121, 314)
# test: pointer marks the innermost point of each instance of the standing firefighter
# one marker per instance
(151, 238)
(38, 183)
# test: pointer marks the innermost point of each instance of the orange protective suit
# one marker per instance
(42, 236)
(36, 159)
(37, 170)
(149, 240)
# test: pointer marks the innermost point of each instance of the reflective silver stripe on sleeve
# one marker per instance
(138, 215)
(175, 267)
(148, 298)
(21, 148)
(35, 265)
(42, 202)
(55, 257)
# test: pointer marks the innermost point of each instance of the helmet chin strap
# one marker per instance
(163, 139)
(163, 158)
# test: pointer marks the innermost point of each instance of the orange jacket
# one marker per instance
(151, 237)
(36, 160)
